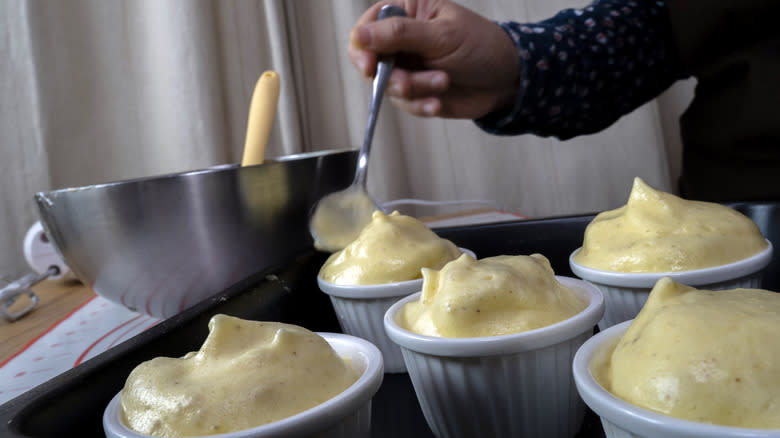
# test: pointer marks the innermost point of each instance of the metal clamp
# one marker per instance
(16, 289)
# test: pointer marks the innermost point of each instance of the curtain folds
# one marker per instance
(103, 90)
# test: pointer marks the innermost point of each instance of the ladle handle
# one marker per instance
(383, 70)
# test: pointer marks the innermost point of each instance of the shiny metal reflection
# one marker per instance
(159, 245)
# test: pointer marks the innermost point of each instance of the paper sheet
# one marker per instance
(89, 330)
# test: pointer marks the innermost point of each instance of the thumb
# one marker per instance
(397, 34)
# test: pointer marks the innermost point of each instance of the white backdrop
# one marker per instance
(102, 90)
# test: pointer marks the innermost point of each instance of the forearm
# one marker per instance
(585, 68)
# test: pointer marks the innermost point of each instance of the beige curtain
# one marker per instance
(103, 90)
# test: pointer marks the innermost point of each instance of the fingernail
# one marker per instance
(437, 81)
(429, 108)
(363, 36)
(395, 88)
(361, 62)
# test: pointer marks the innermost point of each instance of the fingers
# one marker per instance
(363, 60)
(417, 85)
(370, 39)
(460, 104)
(418, 93)
(428, 107)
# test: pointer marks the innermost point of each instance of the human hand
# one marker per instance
(450, 61)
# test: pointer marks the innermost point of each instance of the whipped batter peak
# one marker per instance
(246, 374)
(391, 248)
(489, 297)
(699, 355)
(660, 232)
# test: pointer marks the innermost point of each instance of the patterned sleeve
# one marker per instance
(585, 68)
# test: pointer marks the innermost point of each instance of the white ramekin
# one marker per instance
(343, 416)
(361, 308)
(626, 293)
(516, 385)
(621, 419)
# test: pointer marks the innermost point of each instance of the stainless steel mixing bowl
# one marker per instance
(159, 245)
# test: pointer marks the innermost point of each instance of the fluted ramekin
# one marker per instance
(625, 293)
(346, 415)
(361, 308)
(511, 385)
(621, 419)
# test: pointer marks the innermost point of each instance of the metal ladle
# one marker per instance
(338, 217)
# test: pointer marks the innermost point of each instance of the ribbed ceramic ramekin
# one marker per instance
(625, 420)
(515, 385)
(361, 308)
(346, 415)
(626, 293)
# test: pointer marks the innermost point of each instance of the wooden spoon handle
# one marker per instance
(261, 116)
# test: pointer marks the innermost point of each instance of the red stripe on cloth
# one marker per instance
(85, 352)
(124, 333)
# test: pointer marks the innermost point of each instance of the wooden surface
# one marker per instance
(57, 299)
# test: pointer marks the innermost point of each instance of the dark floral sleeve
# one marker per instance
(585, 68)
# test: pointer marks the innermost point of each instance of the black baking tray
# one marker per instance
(72, 403)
